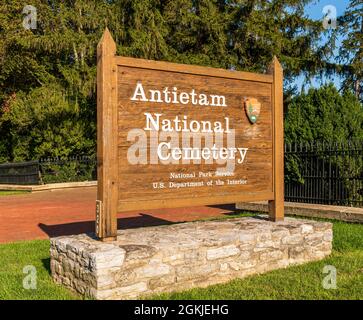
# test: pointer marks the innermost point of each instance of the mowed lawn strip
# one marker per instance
(299, 282)
(12, 192)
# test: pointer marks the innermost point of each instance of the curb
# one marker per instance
(47, 187)
(349, 214)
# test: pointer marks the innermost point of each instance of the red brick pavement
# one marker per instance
(47, 214)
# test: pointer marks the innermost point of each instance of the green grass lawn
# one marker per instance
(14, 257)
(300, 282)
(11, 192)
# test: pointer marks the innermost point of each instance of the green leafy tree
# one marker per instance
(48, 75)
(263, 29)
(351, 51)
(143, 28)
(47, 78)
(199, 32)
(323, 119)
(324, 115)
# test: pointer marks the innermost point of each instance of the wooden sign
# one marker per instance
(174, 135)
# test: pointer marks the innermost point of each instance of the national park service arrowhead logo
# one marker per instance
(253, 108)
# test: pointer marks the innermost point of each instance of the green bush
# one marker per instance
(68, 171)
(324, 115)
(330, 125)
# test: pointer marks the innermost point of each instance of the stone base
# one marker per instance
(150, 260)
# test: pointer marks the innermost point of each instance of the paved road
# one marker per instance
(47, 214)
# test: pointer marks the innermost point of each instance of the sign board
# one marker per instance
(173, 135)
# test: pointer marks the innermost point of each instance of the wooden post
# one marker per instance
(107, 175)
(276, 206)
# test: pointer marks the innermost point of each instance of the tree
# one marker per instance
(263, 29)
(324, 115)
(47, 78)
(48, 75)
(324, 118)
(351, 51)
(199, 32)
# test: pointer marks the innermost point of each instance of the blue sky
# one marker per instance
(315, 11)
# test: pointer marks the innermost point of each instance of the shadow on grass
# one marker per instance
(46, 264)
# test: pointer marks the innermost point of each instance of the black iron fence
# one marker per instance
(20, 173)
(49, 170)
(324, 173)
(314, 173)
(71, 169)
